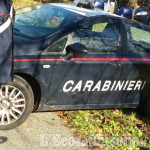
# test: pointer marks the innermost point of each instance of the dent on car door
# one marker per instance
(92, 80)
(136, 62)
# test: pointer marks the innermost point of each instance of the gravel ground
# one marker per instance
(42, 131)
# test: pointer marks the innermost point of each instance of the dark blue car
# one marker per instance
(142, 14)
(68, 58)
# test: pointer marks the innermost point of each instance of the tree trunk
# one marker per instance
(135, 5)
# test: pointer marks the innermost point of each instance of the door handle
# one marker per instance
(116, 64)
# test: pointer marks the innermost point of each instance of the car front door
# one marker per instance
(92, 80)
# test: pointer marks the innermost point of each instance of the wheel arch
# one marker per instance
(35, 87)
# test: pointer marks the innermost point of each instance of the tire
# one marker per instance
(144, 103)
(144, 109)
(16, 103)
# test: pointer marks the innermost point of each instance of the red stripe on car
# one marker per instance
(85, 59)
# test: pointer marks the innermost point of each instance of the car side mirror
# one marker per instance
(74, 50)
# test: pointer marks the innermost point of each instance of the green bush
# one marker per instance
(100, 124)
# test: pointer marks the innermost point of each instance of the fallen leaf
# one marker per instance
(117, 115)
(100, 130)
(138, 120)
(116, 110)
(117, 129)
(66, 118)
(125, 135)
(59, 113)
(24, 126)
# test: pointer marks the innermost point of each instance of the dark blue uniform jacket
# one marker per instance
(6, 43)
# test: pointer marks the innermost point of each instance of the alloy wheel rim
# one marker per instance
(12, 104)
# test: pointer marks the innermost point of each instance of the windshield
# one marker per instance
(41, 21)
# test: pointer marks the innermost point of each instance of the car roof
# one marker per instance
(82, 11)
(71, 7)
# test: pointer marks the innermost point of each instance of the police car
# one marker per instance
(68, 58)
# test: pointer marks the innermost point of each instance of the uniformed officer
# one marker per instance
(6, 40)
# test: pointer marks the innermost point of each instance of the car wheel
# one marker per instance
(16, 103)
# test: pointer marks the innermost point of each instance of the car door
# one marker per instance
(136, 61)
(92, 80)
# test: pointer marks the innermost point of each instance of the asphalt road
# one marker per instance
(41, 131)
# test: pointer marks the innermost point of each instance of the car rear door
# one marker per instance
(136, 58)
(93, 80)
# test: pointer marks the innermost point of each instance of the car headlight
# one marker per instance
(142, 13)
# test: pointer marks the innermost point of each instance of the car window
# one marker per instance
(138, 39)
(58, 46)
(102, 36)
(40, 21)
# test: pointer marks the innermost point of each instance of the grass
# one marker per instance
(109, 123)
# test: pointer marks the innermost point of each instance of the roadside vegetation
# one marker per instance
(24, 3)
(114, 129)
